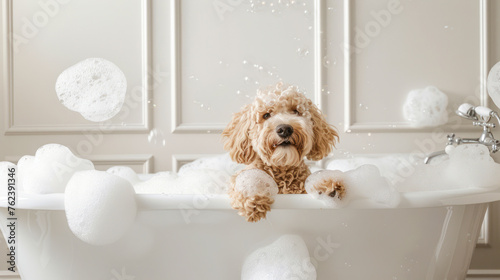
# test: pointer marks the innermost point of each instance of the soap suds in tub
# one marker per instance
(100, 207)
(285, 259)
(50, 169)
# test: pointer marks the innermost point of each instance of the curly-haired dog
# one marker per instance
(274, 134)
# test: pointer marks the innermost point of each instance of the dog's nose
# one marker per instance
(284, 130)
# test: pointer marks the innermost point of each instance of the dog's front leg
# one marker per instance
(328, 186)
(252, 193)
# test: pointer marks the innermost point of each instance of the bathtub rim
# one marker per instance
(421, 199)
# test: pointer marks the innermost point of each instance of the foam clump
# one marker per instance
(125, 172)
(426, 107)
(210, 175)
(286, 258)
(316, 186)
(364, 182)
(50, 169)
(392, 167)
(255, 182)
(467, 166)
(222, 163)
(94, 87)
(493, 84)
(204, 181)
(100, 207)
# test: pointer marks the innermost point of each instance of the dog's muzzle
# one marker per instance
(284, 130)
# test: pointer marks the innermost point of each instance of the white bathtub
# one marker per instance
(431, 235)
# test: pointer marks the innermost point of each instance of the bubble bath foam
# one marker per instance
(429, 235)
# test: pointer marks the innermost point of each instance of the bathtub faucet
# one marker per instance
(480, 116)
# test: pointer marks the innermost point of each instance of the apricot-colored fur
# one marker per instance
(332, 187)
(251, 138)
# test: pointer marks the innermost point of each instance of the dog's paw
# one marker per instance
(255, 182)
(328, 186)
(252, 194)
(255, 208)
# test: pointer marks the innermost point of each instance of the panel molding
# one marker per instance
(178, 126)
(484, 233)
(350, 125)
(8, 68)
(178, 160)
(146, 160)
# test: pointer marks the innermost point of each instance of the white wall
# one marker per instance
(191, 64)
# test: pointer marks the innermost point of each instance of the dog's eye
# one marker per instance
(296, 112)
(266, 116)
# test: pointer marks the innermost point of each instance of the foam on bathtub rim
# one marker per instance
(283, 201)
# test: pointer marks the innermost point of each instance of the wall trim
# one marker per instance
(8, 65)
(176, 69)
(350, 125)
(122, 159)
(483, 274)
(178, 160)
(484, 233)
(8, 275)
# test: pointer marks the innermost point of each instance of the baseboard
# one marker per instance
(483, 274)
(7, 275)
(473, 274)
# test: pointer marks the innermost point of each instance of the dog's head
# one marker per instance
(281, 127)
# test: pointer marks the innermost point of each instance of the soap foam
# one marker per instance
(94, 87)
(285, 259)
(125, 172)
(426, 107)
(391, 167)
(494, 84)
(255, 182)
(50, 169)
(210, 175)
(100, 207)
(363, 182)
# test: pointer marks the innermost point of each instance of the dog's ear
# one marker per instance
(325, 135)
(236, 138)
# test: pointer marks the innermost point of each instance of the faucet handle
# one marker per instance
(467, 111)
(484, 112)
(451, 138)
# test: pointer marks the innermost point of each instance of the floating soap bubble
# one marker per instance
(426, 107)
(494, 84)
(94, 87)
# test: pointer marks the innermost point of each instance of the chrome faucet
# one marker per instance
(480, 116)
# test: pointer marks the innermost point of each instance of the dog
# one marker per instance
(274, 134)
